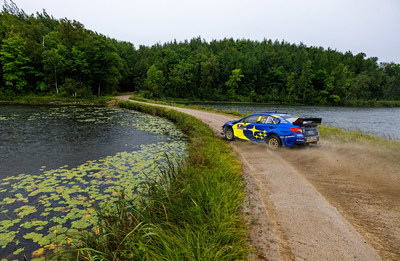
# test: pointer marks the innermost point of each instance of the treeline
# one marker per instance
(42, 55)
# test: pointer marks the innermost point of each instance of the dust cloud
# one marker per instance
(362, 181)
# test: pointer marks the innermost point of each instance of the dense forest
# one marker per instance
(44, 56)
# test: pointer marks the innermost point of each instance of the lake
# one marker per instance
(58, 163)
(381, 122)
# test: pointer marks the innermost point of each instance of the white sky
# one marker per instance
(368, 26)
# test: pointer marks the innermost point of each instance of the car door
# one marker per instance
(260, 130)
(240, 129)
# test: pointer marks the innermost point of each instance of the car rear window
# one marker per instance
(289, 118)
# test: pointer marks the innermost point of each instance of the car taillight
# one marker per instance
(296, 129)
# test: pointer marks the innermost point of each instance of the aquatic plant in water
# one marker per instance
(39, 213)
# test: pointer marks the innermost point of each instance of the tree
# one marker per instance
(11, 8)
(343, 80)
(180, 79)
(154, 81)
(104, 63)
(275, 81)
(39, 50)
(392, 80)
(291, 86)
(16, 64)
(127, 52)
(206, 74)
(77, 63)
(52, 62)
(305, 87)
(233, 82)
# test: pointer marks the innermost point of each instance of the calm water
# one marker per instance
(57, 164)
(36, 136)
(382, 122)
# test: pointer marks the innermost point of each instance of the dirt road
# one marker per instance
(328, 202)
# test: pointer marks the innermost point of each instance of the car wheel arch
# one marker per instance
(273, 145)
(273, 134)
(229, 136)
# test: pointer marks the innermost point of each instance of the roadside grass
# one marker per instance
(384, 148)
(55, 99)
(192, 211)
(357, 136)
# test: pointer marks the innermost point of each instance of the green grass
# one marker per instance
(192, 211)
(35, 99)
(337, 134)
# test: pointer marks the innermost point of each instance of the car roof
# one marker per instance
(279, 114)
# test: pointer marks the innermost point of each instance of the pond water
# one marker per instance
(57, 163)
(381, 122)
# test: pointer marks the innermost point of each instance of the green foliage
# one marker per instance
(181, 79)
(53, 64)
(38, 50)
(154, 81)
(16, 64)
(233, 82)
(75, 88)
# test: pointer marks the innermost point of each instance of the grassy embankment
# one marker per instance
(192, 211)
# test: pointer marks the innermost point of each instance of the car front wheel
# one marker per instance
(273, 142)
(229, 134)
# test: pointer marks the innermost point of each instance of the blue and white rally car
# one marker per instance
(276, 129)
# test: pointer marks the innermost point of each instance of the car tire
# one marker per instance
(229, 134)
(273, 142)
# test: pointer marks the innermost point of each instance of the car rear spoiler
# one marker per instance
(307, 121)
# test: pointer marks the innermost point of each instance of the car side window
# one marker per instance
(269, 120)
(275, 120)
(251, 119)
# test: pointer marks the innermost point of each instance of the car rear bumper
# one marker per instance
(309, 139)
(290, 141)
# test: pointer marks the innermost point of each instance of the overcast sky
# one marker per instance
(368, 26)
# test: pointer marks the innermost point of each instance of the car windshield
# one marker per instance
(289, 118)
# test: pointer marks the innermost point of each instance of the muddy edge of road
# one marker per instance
(333, 201)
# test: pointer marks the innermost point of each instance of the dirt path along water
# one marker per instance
(333, 201)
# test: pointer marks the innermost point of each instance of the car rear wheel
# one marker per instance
(229, 134)
(273, 142)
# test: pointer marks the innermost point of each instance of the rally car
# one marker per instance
(276, 129)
